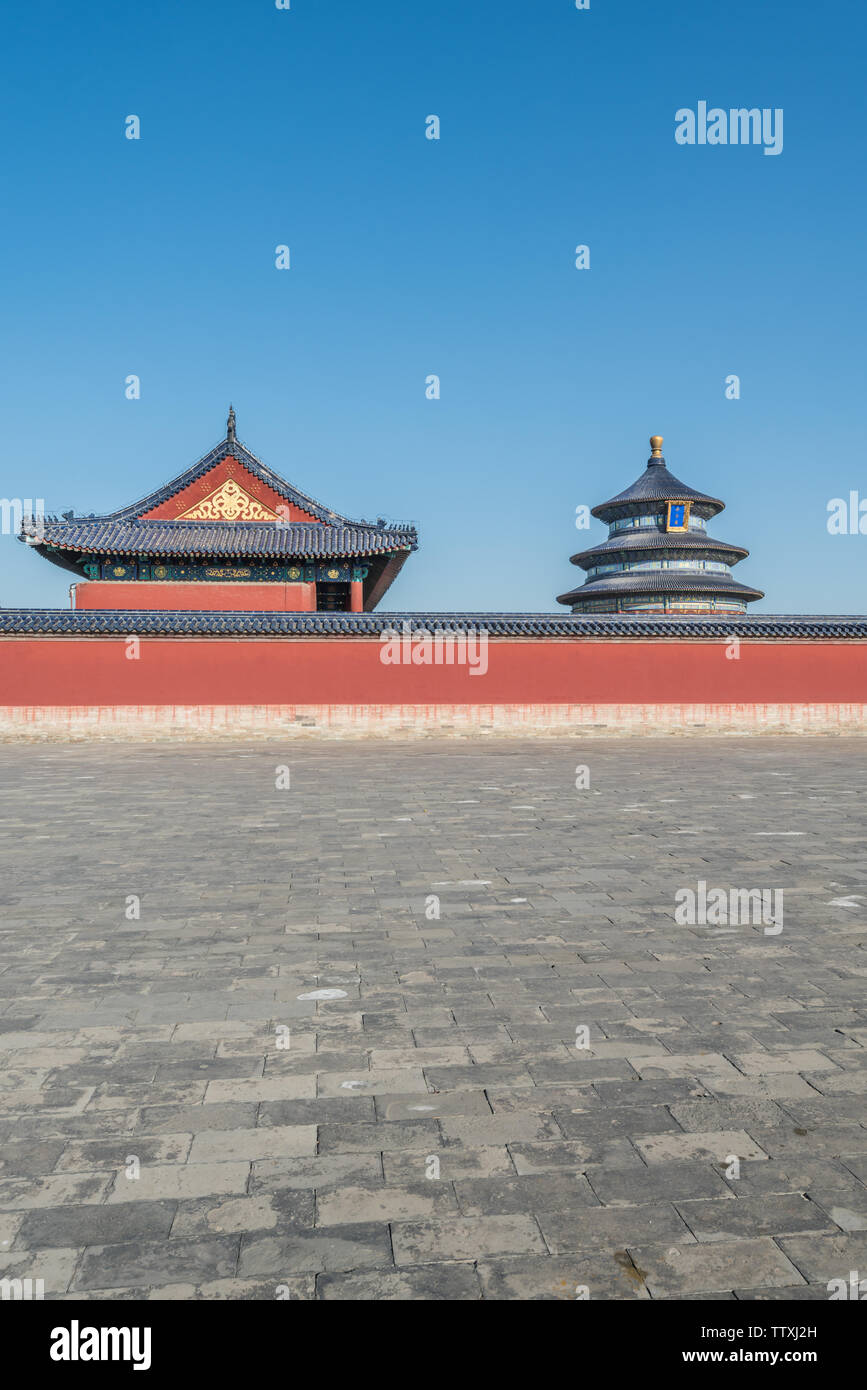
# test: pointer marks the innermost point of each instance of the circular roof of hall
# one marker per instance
(656, 484)
(628, 542)
(654, 581)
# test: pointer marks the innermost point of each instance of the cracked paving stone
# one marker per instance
(324, 1249)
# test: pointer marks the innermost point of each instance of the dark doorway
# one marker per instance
(332, 598)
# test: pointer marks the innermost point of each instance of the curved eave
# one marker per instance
(61, 558)
(635, 543)
(377, 585)
(273, 547)
(655, 485)
(665, 581)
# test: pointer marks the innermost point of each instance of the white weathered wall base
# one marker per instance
(395, 721)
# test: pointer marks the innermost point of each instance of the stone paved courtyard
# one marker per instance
(181, 1116)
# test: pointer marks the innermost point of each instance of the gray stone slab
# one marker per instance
(441, 1282)
(319, 1171)
(753, 1216)
(242, 1213)
(611, 1228)
(180, 1119)
(385, 1202)
(96, 1225)
(158, 1039)
(670, 1182)
(575, 1155)
(132, 1263)
(565, 1278)
(338, 1248)
(502, 1196)
(465, 1238)
(687, 1270)
(823, 1257)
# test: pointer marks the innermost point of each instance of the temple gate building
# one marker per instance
(658, 557)
(227, 534)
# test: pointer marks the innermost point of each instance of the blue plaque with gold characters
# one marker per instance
(677, 516)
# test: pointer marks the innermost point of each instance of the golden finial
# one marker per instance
(656, 446)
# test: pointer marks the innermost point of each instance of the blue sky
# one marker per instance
(412, 257)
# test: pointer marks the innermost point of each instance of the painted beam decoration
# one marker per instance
(131, 570)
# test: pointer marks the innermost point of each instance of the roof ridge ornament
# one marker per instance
(655, 449)
(230, 425)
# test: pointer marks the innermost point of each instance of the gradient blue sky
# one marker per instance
(411, 257)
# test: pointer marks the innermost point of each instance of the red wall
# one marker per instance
(203, 597)
(246, 671)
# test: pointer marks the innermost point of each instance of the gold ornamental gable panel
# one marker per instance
(229, 502)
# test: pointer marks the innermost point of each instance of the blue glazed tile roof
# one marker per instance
(266, 539)
(656, 484)
(123, 532)
(758, 626)
(661, 581)
(628, 542)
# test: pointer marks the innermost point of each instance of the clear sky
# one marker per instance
(412, 257)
